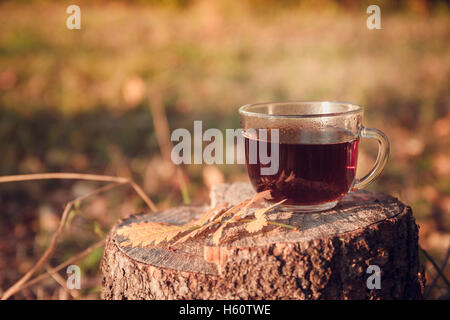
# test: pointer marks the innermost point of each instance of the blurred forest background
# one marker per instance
(86, 101)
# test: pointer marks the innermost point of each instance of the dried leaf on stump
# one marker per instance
(256, 198)
(147, 233)
(256, 224)
(260, 220)
(218, 213)
(209, 216)
(218, 234)
(237, 212)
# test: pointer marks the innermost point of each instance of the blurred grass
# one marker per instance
(79, 100)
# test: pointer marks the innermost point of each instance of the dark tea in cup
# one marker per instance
(316, 147)
(309, 172)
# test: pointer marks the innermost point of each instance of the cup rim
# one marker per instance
(355, 109)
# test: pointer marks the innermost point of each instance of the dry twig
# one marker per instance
(162, 132)
(20, 284)
(447, 283)
(434, 281)
(60, 280)
(8, 293)
(61, 266)
(80, 176)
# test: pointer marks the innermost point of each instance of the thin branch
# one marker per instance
(161, 124)
(73, 293)
(44, 257)
(62, 175)
(434, 281)
(141, 192)
(436, 267)
(97, 191)
(16, 286)
(80, 176)
(162, 132)
(61, 266)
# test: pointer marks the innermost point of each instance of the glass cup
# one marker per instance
(306, 152)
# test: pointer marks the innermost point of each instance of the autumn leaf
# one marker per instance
(209, 216)
(262, 211)
(260, 220)
(256, 224)
(256, 198)
(253, 226)
(147, 233)
(153, 233)
(236, 212)
(218, 234)
(218, 212)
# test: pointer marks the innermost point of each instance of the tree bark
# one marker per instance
(327, 258)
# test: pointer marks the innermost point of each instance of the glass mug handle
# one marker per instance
(382, 158)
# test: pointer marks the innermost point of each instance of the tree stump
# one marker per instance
(328, 258)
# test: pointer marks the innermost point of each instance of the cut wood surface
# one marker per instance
(326, 258)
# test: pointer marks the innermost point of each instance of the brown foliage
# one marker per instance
(153, 233)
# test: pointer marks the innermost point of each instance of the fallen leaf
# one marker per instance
(260, 220)
(209, 216)
(147, 233)
(256, 198)
(219, 211)
(262, 211)
(256, 224)
(236, 213)
(218, 234)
